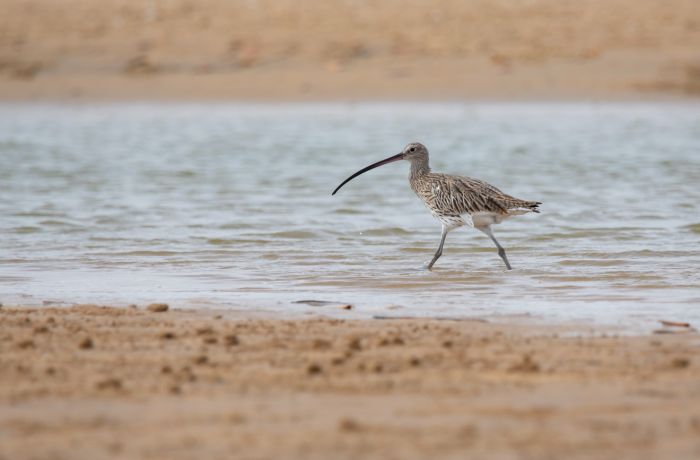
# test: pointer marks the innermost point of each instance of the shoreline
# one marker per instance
(622, 325)
(327, 387)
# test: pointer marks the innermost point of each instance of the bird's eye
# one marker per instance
(413, 149)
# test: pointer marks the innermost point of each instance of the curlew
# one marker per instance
(456, 200)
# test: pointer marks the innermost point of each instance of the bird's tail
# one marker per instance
(534, 206)
(526, 206)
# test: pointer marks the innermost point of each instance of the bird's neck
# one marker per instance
(419, 167)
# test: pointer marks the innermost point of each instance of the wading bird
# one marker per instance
(455, 200)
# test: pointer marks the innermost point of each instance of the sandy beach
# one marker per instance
(254, 50)
(100, 382)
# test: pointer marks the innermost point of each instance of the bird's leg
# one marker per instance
(445, 231)
(501, 252)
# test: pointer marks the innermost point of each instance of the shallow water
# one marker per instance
(231, 206)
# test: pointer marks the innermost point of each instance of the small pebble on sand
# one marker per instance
(355, 344)
(348, 424)
(322, 344)
(24, 344)
(86, 343)
(314, 369)
(527, 365)
(107, 384)
(231, 340)
(157, 307)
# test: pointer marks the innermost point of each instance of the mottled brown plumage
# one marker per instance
(456, 200)
(450, 194)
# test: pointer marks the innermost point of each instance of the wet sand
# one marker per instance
(259, 50)
(100, 382)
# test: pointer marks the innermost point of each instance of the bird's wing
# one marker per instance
(465, 195)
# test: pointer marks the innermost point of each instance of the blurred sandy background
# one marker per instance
(348, 49)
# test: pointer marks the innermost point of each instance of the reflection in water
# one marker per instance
(231, 205)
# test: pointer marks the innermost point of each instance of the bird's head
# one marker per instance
(415, 150)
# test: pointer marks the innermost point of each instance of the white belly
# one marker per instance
(487, 218)
(491, 218)
(452, 222)
(478, 219)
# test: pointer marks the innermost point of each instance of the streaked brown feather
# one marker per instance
(456, 195)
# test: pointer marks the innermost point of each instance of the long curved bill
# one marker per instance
(370, 167)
